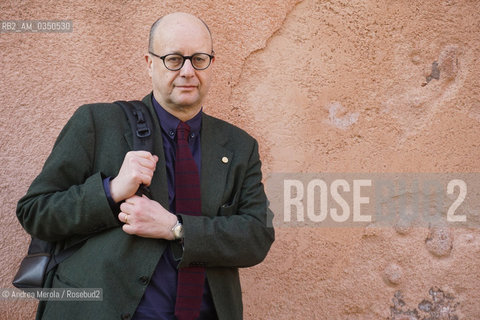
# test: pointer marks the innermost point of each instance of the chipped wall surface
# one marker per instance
(325, 86)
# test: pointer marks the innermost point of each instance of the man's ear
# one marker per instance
(149, 61)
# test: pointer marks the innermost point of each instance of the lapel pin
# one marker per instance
(225, 160)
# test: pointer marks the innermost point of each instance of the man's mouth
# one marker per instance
(186, 86)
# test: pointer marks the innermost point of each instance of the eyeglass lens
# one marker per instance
(199, 61)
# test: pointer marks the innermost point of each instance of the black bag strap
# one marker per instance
(62, 255)
(141, 124)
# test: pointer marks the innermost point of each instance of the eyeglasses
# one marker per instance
(175, 61)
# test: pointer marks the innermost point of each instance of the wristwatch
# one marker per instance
(177, 230)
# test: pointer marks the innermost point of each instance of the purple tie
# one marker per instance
(187, 201)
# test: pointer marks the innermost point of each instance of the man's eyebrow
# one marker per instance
(172, 52)
(181, 53)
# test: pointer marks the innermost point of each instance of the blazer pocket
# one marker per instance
(229, 208)
(61, 281)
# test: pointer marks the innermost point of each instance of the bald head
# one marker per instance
(175, 18)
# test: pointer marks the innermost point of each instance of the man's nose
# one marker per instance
(187, 69)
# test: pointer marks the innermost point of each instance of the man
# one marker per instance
(144, 251)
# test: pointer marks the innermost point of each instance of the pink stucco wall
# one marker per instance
(325, 86)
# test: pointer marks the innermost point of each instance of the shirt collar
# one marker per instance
(169, 122)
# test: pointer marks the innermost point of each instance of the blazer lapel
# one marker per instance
(159, 186)
(216, 160)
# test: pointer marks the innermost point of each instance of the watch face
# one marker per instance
(178, 231)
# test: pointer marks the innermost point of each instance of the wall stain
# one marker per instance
(435, 74)
(441, 306)
(340, 122)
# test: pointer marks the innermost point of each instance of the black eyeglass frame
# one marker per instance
(211, 56)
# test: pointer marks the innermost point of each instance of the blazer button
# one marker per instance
(125, 316)
(144, 280)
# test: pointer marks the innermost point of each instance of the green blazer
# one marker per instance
(67, 201)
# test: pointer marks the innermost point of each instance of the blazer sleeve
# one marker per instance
(67, 197)
(241, 233)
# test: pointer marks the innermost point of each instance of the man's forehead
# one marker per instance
(177, 35)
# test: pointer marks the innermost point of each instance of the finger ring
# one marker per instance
(126, 218)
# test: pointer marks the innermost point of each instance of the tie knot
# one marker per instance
(183, 130)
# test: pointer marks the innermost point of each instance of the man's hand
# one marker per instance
(146, 218)
(137, 168)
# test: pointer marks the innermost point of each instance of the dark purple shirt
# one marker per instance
(158, 302)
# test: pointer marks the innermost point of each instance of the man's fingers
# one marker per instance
(123, 217)
(128, 229)
(131, 200)
(138, 178)
(141, 175)
(147, 163)
(146, 218)
(143, 155)
(141, 163)
(138, 168)
(140, 153)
